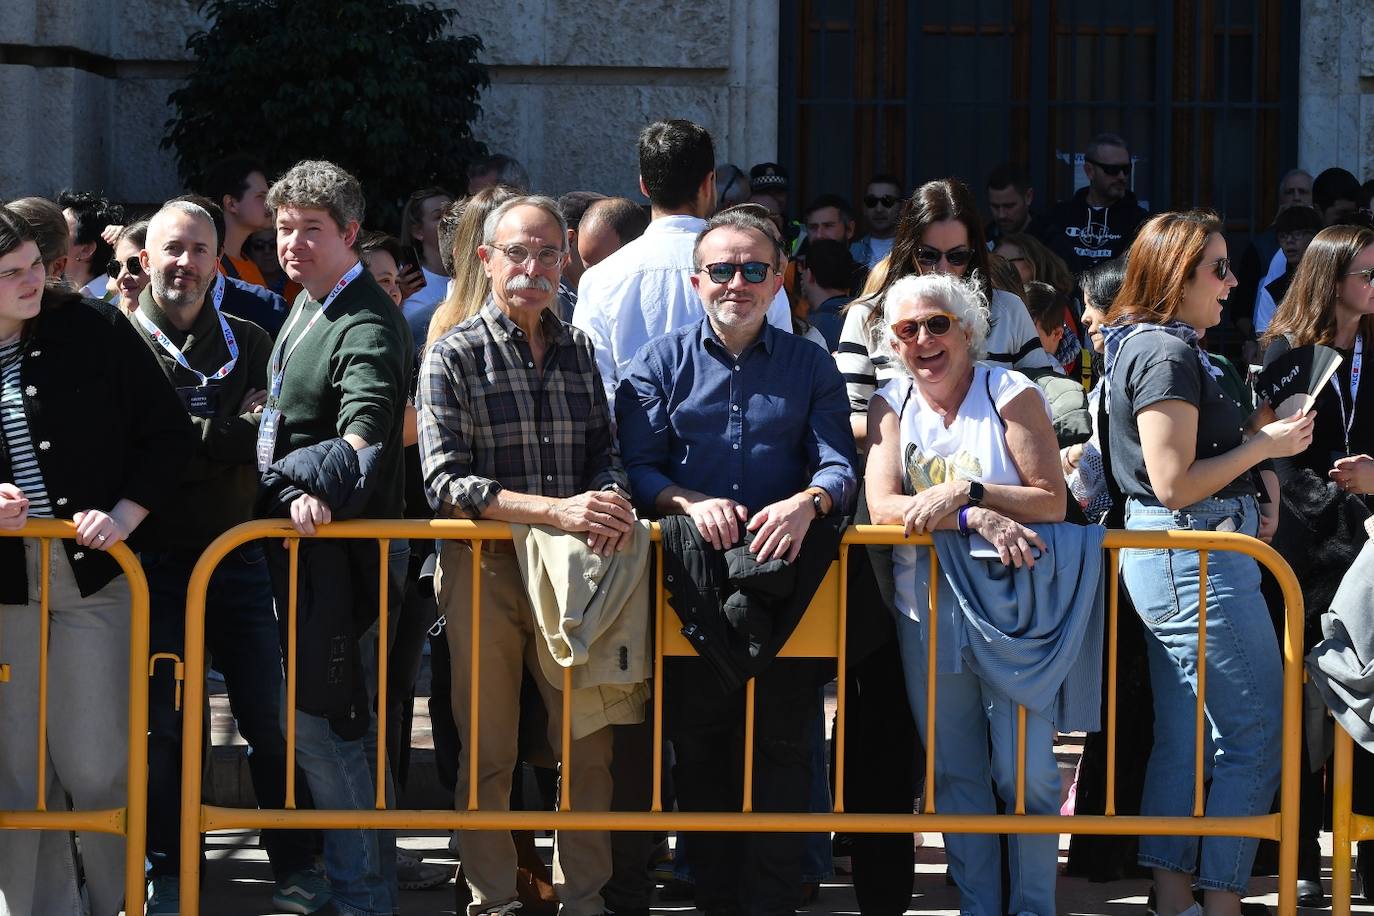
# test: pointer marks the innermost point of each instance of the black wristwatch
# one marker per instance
(818, 505)
(975, 493)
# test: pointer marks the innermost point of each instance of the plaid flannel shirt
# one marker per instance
(490, 419)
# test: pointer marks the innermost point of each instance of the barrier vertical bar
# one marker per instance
(136, 805)
(656, 803)
(383, 625)
(1113, 598)
(293, 546)
(476, 656)
(565, 799)
(841, 648)
(192, 764)
(1020, 759)
(749, 746)
(1340, 824)
(932, 638)
(44, 597)
(1199, 802)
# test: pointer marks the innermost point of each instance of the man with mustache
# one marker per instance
(218, 364)
(514, 427)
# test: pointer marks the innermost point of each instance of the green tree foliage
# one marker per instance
(373, 85)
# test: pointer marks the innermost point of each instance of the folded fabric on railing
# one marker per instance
(701, 581)
(1341, 665)
(593, 612)
(1034, 633)
(331, 471)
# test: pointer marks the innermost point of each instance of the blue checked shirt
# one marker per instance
(490, 419)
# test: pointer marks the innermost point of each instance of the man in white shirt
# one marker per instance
(644, 290)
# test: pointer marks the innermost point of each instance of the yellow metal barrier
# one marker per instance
(1346, 826)
(820, 634)
(131, 821)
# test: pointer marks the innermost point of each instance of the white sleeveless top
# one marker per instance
(973, 447)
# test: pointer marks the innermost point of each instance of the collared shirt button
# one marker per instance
(736, 446)
(36, 353)
(45, 445)
(529, 365)
(734, 407)
(546, 440)
(734, 486)
(737, 368)
(548, 477)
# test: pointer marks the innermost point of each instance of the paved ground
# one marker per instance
(238, 882)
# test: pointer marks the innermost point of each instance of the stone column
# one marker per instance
(1336, 87)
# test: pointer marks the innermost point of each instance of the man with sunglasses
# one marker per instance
(1099, 222)
(644, 290)
(882, 208)
(744, 429)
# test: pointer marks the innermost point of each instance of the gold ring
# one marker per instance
(787, 537)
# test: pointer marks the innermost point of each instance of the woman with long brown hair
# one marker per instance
(471, 285)
(1329, 302)
(1181, 460)
(92, 433)
(940, 232)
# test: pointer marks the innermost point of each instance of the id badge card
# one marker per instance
(267, 437)
(200, 401)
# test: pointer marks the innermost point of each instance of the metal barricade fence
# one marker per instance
(130, 821)
(1346, 826)
(821, 633)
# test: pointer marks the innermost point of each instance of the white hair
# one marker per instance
(962, 298)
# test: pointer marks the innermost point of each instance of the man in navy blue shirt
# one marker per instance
(742, 427)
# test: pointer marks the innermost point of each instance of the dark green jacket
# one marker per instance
(348, 375)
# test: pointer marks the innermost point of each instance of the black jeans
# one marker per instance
(743, 873)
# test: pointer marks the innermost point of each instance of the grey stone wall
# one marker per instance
(1336, 86)
(84, 85)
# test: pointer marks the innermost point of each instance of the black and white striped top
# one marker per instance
(15, 426)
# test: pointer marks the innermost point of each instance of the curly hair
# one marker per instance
(313, 184)
(962, 298)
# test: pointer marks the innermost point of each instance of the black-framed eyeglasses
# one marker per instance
(1367, 273)
(131, 264)
(927, 256)
(520, 255)
(935, 325)
(1113, 168)
(886, 200)
(1221, 267)
(724, 271)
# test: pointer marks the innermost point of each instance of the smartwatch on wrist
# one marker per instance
(975, 493)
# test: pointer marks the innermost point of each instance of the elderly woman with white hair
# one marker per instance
(960, 445)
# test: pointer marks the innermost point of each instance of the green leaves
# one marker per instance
(374, 85)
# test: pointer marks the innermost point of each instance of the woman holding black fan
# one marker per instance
(1326, 489)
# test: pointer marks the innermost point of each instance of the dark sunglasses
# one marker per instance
(929, 257)
(887, 200)
(724, 272)
(1221, 268)
(112, 269)
(263, 245)
(935, 325)
(1113, 169)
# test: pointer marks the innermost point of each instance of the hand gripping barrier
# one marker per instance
(130, 821)
(820, 634)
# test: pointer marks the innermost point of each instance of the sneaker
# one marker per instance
(165, 900)
(415, 874)
(305, 892)
(504, 909)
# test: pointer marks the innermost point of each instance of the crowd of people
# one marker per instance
(1010, 385)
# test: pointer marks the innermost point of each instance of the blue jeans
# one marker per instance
(1244, 687)
(361, 864)
(969, 713)
(241, 637)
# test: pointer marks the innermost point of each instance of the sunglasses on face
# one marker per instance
(887, 201)
(1367, 273)
(520, 255)
(1221, 267)
(113, 269)
(724, 272)
(260, 245)
(957, 257)
(1113, 169)
(936, 326)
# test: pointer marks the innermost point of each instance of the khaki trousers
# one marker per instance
(509, 642)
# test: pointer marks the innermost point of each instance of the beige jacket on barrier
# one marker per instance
(594, 614)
